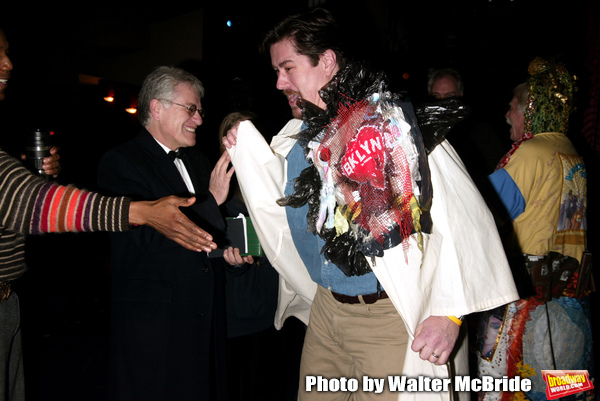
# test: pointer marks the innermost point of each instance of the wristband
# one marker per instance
(455, 320)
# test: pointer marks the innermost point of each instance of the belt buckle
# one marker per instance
(356, 299)
(372, 298)
(4, 291)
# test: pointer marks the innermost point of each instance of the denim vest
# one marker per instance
(309, 246)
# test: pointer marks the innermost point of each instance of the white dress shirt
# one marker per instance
(181, 168)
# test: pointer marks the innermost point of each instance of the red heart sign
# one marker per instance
(364, 159)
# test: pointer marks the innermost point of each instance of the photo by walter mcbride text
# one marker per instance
(417, 384)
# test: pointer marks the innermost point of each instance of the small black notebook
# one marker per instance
(240, 233)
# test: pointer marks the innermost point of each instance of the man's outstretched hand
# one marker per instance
(165, 217)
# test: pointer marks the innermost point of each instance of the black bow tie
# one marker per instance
(179, 153)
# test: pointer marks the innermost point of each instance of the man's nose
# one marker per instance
(282, 82)
(197, 118)
(5, 63)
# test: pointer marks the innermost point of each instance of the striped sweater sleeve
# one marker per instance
(28, 205)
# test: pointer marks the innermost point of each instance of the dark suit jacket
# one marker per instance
(168, 316)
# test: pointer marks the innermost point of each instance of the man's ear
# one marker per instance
(155, 108)
(329, 60)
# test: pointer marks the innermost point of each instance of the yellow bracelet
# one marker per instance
(455, 320)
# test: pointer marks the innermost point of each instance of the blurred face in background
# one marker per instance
(444, 88)
(516, 120)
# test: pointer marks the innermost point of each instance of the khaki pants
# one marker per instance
(345, 341)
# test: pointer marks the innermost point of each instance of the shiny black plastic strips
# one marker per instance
(437, 118)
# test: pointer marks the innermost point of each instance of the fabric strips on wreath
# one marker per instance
(363, 185)
(370, 159)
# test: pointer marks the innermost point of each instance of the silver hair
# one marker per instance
(160, 84)
(521, 92)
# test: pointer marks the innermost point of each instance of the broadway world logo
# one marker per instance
(560, 383)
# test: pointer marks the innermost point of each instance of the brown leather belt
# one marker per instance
(367, 299)
(4, 291)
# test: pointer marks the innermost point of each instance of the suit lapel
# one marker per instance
(162, 165)
(205, 211)
(197, 169)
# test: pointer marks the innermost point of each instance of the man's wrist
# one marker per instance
(457, 320)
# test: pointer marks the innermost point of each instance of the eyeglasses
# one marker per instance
(190, 109)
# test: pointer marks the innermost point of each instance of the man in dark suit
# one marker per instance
(168, 315)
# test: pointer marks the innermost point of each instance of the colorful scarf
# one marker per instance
(367, 186)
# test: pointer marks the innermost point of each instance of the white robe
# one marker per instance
(463, 268)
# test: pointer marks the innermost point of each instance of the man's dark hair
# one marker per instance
(311, 34)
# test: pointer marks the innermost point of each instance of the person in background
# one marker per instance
(445, 83)
(32, 206)
(542, 182)
(51, 164)
(474, 139)
(317, 203)
(168, 328)
(263, 361)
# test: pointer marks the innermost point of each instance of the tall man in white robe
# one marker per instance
(403, 315)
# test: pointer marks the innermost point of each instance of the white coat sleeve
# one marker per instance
(261, 174)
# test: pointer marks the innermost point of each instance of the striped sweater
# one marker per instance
(28, 205)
